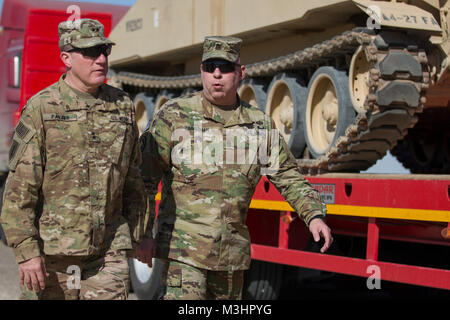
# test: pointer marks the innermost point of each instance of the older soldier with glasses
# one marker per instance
(74, 206)
(201, 232)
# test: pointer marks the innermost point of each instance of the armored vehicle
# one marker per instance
(345, 81)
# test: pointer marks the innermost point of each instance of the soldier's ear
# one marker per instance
(66, 58)
(242, 72)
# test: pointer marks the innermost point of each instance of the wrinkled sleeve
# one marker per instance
(20, 211)
(134, 200)
(283, 172)
(156, 150)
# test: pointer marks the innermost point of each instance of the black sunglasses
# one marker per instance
(94, 52)
(224, 66)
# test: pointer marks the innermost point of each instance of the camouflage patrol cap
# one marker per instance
(82, 33)
(227, 48)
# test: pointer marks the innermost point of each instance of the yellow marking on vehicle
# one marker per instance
(363, 211)
(358, 211)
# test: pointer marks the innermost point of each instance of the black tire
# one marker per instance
(146, 286)
(262, 281)
(424, 151)
(2, 236)
(346, 112)
(298, 90)
(259, 87)
(2, 189)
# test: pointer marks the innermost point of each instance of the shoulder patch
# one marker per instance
(22, 135)
(24, 131)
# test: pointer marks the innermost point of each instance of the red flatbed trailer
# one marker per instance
(411, 208)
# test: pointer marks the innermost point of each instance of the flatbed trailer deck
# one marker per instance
(409, 208)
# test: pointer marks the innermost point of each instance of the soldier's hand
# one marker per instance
(146, 251)
(318, 228)
(32, 273)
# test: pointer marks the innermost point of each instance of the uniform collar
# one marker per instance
(239, 116)
(80, 101)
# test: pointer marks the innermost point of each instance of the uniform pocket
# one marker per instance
(64, 142)
(112, 136)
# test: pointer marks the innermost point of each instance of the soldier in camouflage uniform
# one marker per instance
(210, 149)
(74, 205)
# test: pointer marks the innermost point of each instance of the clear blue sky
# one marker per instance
(388, 164)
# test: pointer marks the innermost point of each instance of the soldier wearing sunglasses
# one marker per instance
(201, 233)
(74, 205)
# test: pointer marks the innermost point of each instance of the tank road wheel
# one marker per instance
(359, 74)
(163, 97)
(285, 96)
(145, 281)
(328, 111)
(262, 281)
(253, 91)
(144, 106)
(187, 91)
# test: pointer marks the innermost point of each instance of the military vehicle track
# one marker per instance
(397, 81)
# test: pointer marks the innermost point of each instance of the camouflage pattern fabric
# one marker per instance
(185, 282)
(217, 47)
(206, 195)
(82, 33)
(98, 277)
(74, 185)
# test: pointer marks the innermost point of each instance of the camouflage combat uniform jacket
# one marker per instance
(74, 185)
(202, 213)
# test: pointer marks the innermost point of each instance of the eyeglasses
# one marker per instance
(94, 52)
(224, 66)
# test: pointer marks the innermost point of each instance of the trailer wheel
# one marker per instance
(262, 281)
(253, 91)
(286, 94)
(328, 111)
(145, 281)
(2, 189)
(144, 105)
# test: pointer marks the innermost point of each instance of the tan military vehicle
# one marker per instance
(345, 81)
